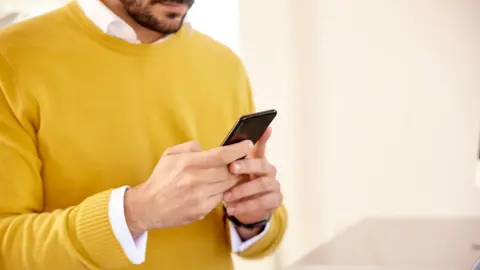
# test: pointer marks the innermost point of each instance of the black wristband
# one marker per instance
(250, 226)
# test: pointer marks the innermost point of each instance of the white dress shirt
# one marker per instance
(135, 249)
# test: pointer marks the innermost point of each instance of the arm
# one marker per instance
(257, 244)
(73, 238)
(267, 241)
(135, 247)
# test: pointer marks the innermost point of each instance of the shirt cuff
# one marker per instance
(134, 249)
(237, 244)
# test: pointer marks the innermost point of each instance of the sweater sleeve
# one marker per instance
(272, 238)
(79, 237)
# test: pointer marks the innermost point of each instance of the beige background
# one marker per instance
(379, 109)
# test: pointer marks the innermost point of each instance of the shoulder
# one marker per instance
(228, 63)
(215, 50)
(29, 34)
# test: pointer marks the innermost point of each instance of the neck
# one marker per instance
(144, 34)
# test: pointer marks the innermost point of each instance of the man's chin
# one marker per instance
(167, 29)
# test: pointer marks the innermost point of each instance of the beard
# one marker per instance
(188, 2)
(167, 24)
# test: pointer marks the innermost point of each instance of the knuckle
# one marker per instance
(214, 158)
(193, 146)
(276, 185)
(273, 169)
(222, 157)
(264, 183)
(189, 181)
(224, 160)
(279, 199)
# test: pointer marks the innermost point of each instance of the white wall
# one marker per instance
(29, 8)
(266, 45)
(379, 105)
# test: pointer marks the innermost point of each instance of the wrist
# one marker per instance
(246, 231)
(246, 234)
(133, 216)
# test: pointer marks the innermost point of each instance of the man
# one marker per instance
(111, 114)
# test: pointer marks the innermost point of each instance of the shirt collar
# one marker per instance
(109, 22)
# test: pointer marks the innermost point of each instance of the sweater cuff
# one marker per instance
(135, 249)
(271, 238)
(238, 245)
(95, 233)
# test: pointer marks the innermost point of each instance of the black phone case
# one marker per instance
(250, 127)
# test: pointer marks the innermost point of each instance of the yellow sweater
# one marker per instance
(82, 113)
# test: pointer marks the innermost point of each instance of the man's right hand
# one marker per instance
(185, 186)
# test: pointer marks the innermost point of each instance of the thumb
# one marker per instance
(187, 147)
(261, 145)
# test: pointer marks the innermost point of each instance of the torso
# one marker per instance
(105, 118)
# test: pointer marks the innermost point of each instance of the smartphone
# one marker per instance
(250, 127)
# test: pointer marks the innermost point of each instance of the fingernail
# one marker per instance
(237, 167)
(250, 144)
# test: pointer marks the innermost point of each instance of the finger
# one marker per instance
(265, 203)
(183, 148)
(256, 166)
(261, 145)
(219, 188)
(217, 175)
(211, 176)
(223, 155)
(209, 204)
(252, 188)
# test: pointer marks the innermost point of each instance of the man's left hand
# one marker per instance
(257, 195)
